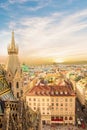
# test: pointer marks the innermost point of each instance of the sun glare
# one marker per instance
(58, 60)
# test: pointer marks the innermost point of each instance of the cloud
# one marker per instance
(58, 35)
(19, 3)
(70, 1)
(12, 25)
(41, 4)
(4, 5)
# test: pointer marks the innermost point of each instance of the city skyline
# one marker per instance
(45, 30)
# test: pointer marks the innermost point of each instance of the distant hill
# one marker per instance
(72, 62)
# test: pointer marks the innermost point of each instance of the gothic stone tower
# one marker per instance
(14, 74)
(13, 61)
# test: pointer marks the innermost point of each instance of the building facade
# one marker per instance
(81, 90)
(56, 103)
(15, 114)
(13, 70)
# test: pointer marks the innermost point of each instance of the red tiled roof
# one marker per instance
(49, 90)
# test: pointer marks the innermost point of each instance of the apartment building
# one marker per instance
(56, 103)
(81, 89)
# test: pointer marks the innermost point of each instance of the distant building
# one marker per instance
(81, 90)
(56, 102)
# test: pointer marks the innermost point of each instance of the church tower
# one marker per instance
(13, 70)
(13, 61)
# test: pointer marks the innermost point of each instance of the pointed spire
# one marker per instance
(13, 41)
(12, 48)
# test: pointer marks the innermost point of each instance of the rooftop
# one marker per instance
(52, 90)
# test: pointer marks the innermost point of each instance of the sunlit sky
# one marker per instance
(45, 29)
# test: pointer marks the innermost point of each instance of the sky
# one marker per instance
(45, 30)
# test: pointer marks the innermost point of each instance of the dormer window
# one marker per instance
(38, 92)
(47, 92)
(42, 92)
(56, 92)
(61, 92)
(66, 92)
(52, 92)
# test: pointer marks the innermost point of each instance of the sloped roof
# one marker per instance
(25, 68)
(5, 91)
(52, 90)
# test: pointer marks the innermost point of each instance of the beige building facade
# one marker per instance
(81, 90)
(56, 105)
(13, 70)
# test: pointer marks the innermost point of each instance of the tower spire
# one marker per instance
(13, 61)
(12, 48)
(12, 40)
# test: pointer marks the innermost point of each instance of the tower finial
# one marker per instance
(13, 41)
(12, 49)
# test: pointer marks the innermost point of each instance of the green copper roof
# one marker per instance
(25, 68)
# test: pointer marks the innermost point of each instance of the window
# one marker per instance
(66, 109)
(29, 99)
(34, 99)
(17, 94)
(52, 104)
(66, 99)
(47, 108)
(70, 99)
(56, 92)
(71, 104)
(52, 99)
(56, 99)
(43, 99)
(43, 108)
(47, 104)
(43, 104)
(61, 109)
(52, 108)
(21, 92)
(10, 84)
(65, 104)
(47, 99)
(34, 104)
(17, 85)
(65, 92)
(56, 104)
(66, 118)
(38, 99)
(34, 108)
(61, 104)
(38, 104)
(61, 92)
(61, 99)
(70, 118)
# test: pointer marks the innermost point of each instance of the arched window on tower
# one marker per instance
(17, 94)
(10, 85)
(17, 84)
